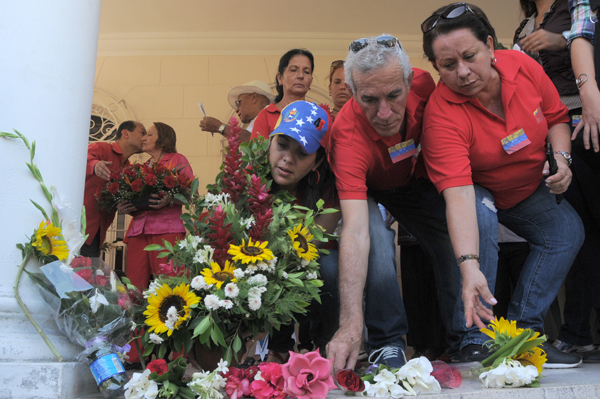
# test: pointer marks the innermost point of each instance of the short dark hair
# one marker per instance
(529, 8)
(166, 139)
(284, 61)
(478, 24)
(127, 125)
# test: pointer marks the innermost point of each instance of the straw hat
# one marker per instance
(254, 86)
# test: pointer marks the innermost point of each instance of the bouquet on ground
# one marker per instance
(135, 183)
(416, 377)
(517, 357)
(160, 380)
(249, 262)
(305, 376)
(87, 301)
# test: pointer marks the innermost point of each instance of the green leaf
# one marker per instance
(38, 206)
(327, 211)
(320, 203)
(296, 282)
(168, 245)
(162, 351)
(217, 336)
(202, 327)
(148, 350)
(237, 344)
(181, 198)
(153, 247)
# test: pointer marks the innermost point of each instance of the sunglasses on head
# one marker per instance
(386, 41)
(452, 11)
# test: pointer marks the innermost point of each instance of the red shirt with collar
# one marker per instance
(359, 156)
(97, 219)
(265, 122)
(462, 140)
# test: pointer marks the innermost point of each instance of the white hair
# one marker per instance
(374, 57)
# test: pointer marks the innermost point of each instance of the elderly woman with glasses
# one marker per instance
(485, 136)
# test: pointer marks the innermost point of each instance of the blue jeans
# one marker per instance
(555, 233)
(384, 314)
(422, 212)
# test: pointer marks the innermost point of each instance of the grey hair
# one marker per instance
(374, 57)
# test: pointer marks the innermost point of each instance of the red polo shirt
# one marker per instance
(97, 219)
(359, 156)
(265, 122)
(462, 139)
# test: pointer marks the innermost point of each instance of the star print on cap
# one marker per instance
(305, 122)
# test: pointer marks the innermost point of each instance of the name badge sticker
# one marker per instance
(402, 150)
(515, 141)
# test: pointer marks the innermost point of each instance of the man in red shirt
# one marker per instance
(373, 145)
(103, 158)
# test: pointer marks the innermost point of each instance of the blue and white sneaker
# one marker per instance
(390, 355)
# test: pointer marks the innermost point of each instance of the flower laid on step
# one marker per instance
(516, 353)
(414, 378)
(160, 380)
(307, 376)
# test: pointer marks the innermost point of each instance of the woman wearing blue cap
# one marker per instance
(299, 164)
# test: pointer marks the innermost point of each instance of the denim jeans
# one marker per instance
(384, 313)
(555, 233)
(422, 212)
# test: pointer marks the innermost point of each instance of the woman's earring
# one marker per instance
(494, 61)
(311, 178)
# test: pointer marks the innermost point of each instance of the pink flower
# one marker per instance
(237, 388)
(272, 386)
(308, 376)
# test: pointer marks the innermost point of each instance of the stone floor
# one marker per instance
(578, 383)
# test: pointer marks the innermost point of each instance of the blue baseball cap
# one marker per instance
(305, 122)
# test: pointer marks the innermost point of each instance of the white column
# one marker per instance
(47, 63)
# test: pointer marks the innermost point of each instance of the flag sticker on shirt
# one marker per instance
(575, 119)
(515, 141)
(402, 150)
(539, 116)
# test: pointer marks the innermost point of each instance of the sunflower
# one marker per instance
(302, 238)
(251, 253)
(48, 241)
(216, 275)
(503, 331)
(160, 303)
(535, 357)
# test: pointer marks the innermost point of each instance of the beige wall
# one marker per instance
(163, 57)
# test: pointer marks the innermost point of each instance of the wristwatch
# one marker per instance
(566, 155)
(222, 129)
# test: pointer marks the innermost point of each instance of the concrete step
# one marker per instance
(579, 383)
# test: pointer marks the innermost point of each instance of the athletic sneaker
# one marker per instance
(592, 357)
(569, 348)
(558, 359)
(473, 353)
(391, 355)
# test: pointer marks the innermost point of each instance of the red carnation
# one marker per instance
(150, 179)
(169, 181)
(129, 171)
(113, 187)
(87, 275)
(114, 176)
(81, 261)
(102, 280)
(182, 180)
(158, 366)
(159, 169)
(136, 185)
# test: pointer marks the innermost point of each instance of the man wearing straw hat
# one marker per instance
(247, 100)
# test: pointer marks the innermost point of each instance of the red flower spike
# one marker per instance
(234, 176)
(259, 202)
(221, 236)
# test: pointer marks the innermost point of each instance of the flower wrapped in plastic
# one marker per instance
(249, 260)
(93, 309)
